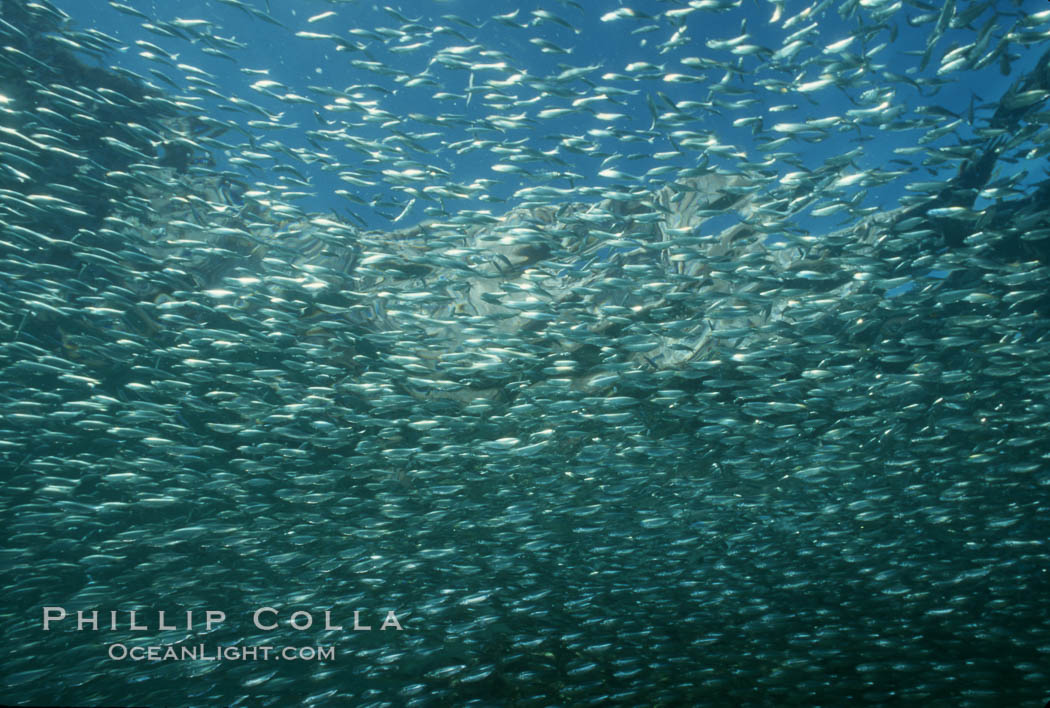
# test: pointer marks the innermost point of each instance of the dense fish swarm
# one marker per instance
(602, 427)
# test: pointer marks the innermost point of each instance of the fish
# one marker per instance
(704, 369)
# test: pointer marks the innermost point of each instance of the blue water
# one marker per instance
(299, 63)
(841, 509)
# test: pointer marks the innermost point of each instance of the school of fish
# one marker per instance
(653, 380)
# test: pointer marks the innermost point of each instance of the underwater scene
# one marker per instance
(549, 353)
